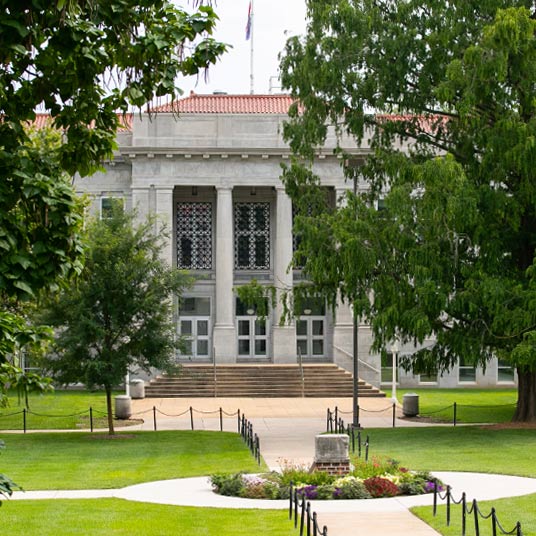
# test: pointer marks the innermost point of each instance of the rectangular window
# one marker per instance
(252, 236)
(387, 367)
(466, 371)
(505, 372)
(107, 206)
(194, 236)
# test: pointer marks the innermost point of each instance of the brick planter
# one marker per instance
(331, 454)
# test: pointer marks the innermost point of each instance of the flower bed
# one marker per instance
(368, 480)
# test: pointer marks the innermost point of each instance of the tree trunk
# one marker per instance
(526, 396)
(111, 430)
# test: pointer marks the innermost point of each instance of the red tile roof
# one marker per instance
(45, 119)
(228, 104)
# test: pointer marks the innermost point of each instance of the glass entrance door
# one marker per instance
(252, 337)
(195, 332)
(194, 327)
(310, 332)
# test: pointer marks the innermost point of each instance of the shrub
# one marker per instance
(350, 487)
(325, 491)
(381, 487)
(228, 484)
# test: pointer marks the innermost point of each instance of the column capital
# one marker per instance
(223, 188)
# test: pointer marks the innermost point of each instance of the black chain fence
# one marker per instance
(300, 509)
(474, 511)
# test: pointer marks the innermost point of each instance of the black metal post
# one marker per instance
(290, 501)
(455, 411)
(448, 506)
(435, 499)
(238, 421)
(24, 419)
(355, 391)
(394, 414)
(192, 417)
(91, 419)
(154, 418)
(464, 514)
(221, 420)
(493, 522)
(475, 513)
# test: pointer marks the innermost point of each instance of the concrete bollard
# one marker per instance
(137, 389)
(410, 404)
(123, 409)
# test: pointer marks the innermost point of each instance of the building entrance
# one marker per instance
(310, 336)
(194, 327)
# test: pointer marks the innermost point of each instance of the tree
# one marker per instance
(118, 315)
(86, 62)
(445, 93)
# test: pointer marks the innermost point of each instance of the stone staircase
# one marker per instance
(258, 381)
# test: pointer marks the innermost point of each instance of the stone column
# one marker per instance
(224, 336)
(343, 328)
(164, 221)
(140, 203)
(284, 342)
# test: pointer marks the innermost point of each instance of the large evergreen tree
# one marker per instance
(119, 313)
(445, 93)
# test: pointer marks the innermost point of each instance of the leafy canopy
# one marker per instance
(119, 314)
(444, 94)
(85, 62)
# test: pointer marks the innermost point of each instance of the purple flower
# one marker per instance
(430, 485)
(309, 492)
(337, 493)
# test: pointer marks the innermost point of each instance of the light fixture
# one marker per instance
(250, 311)
(307, 311)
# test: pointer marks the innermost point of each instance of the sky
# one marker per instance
(274, 22)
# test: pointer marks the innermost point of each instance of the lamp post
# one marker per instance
(394, 352)
(355, 399)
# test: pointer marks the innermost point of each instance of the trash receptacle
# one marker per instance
(137, 389)
(410, 404)
(122, 407)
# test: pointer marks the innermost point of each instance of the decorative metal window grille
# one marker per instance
(252, 236)
(194, 236)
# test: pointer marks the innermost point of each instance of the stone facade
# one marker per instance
(211, 176)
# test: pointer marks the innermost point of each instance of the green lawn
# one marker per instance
(460, 448)
(102, 517)
(59, 410)
(509, 512)
(93, 461)
(473, 405)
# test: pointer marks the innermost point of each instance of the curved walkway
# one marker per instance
(340, 516)
(287, 428)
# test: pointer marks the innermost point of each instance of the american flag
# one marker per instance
(248, 24)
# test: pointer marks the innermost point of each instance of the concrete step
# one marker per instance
(259, 380)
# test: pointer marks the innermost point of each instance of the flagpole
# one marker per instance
(251, 78)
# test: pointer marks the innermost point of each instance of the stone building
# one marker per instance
(211, 175)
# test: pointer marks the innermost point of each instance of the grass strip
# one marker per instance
(509, 512)
(94, 461)
(102, 517)
(59, 410)
(460, 448)
(473, 405)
